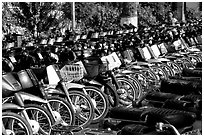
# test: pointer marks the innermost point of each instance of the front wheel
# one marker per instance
(39, 117)
(14, 124)
(111, 94)
(127, 91)
(63, 111)
(84, 108)
(100, 100)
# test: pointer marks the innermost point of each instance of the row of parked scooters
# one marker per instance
(132, 82)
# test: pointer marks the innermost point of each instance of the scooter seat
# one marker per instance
(191, 73)
(125, 113)
(181, 87)
(151, 115)
(177, 118)
(160, 96)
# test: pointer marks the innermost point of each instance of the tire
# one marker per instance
(67, 114)
(175, 67)
(80, 96)
(137, 86)
(150, 74)
(194, 59)
(101, 100)
(47, 118)
(158, 70)
(188, 65)
(112, 95)
(168, 69)
(199, 56)
(132, 95)
(186, 59)
(142, 80)
(21, 121)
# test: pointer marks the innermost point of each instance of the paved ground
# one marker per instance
(197, 124)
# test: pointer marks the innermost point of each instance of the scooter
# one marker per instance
(11, 87)
(74, 94)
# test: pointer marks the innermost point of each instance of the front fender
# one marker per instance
(11, 106)
(30, 97)
(75, 86)
(94, 82)
(54, 91)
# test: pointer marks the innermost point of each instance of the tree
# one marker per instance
(152, 13)
(129, 9)
(32, 15)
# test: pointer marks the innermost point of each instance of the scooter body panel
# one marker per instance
(53, 91)
(29, 97)
(11, 106)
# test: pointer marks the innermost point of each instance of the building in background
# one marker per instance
(180, 8)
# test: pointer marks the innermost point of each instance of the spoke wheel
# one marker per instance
(127, 91)
(14, 124)
(84, 108)
(64, 109)
(101, 106)
(42, 116)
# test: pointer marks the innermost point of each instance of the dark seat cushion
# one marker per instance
(181, 87)
(152, 115)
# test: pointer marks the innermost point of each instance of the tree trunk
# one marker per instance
(129, 13)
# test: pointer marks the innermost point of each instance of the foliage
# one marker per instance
(129, 9)
(192, 14)
(152, 13)
(95, 15)
(146, 17)
(34, 14)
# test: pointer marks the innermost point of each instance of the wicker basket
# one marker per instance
(72, 72)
